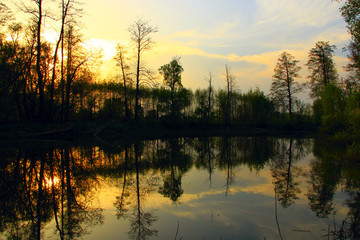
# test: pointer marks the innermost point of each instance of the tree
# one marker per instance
(39, 15)
(257, 108)
(332, 108)
(229, 78)
(284, 85)
(172, 79)
(210, 97)
(140, 32)
(201, 103)
(121, 61)
(67, 9)
(351, 13)
(75, 59)
(321, 67)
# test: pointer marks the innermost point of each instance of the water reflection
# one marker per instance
(173, 162)
(284, 170)
(38, 187)
(53, 191)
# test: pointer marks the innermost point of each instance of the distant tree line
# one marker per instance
(56, 81)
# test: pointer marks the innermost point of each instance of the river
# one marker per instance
(182, 188)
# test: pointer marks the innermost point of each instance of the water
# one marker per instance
(209, 188)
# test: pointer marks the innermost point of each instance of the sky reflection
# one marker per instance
(174, 188)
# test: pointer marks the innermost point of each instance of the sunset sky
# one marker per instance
(248, 35)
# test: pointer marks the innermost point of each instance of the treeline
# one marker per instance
(57, 82)
(70, 90)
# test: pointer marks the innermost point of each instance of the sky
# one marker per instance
(247, 35)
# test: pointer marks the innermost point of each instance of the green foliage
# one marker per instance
(317, 110)
(351, 133)
(351, 13)
(261, 107)
(353, 123)
(172, 79)
(201, 110)
(252, 107)
(321, 66)
(332, 107)
(172, 74)
(221, 101)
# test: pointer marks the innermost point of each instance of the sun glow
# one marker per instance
(50, 182)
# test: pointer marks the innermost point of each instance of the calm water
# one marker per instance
(209, 188)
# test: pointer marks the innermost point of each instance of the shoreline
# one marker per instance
(98, 131)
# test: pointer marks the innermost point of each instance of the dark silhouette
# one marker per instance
(284, 85)
(175, 162)
(284, 171)
(140, 33)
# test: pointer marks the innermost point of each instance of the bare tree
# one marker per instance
(229, 78)
(39, 13)
(68, 9)
(210, 96)
(38, 19)
(140, 32)
(121, 61)
(76, 58)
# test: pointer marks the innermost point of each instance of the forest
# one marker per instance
(57, 82)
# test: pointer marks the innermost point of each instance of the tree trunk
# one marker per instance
(137, 83)
(38, 62)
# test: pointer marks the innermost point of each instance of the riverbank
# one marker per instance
(119, 131)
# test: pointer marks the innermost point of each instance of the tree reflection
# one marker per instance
(226, 161)
(205, 148)
(350, 226)
(174, 162)
(77, 215)
(42, 189)
(325, 174)
(141, 221)
(26, 199)
(121, 201)
(284, 172)
(233, 152)
(134, 189)
(54, 187)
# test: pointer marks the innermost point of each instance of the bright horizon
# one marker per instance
(247, 35)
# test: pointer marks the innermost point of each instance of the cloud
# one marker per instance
(305, 12)
(184, 34)
(221, 31)
(186, 49)
(247, 35)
